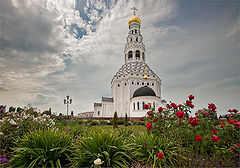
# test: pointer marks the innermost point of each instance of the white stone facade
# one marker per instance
(129, 79)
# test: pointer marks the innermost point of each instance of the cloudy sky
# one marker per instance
(51, 48)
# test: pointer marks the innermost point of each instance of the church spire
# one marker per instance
(134, 50)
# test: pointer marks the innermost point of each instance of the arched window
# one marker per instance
(130, 55)
(98, 112)
(138, 105)
(131, 39)
(137, 39)
(132, 31)
(137, 54)
(135, 31)
(143, 56)
(133, 105)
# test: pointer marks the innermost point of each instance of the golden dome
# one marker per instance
(134, 19)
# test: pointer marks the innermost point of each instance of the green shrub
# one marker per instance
(108, 146)
(120, 122)
(146, 146)
(126, 120)
(110, 122)
(103, 122)
(42, 149)
(115, 120)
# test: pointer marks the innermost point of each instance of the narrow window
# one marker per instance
(133, 105)
(142, 83)
(148, 84)
(131, 39)
(154, 104)
(137, 83)
(118, 85)
(137, 54)
(143, 56)
(98, 112)
(132, 31)
(125, 84)
(143, 105)
(137, 39)
(132, 83)
(135, 31)
(130, 55)
(152, 84)
(138, 105)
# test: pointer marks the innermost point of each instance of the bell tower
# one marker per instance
(134, 50)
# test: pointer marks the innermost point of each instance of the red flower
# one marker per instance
(180, 114)
(174, 105)
(179, 105)
(233, 149)
(212, 107)
(160, 109)
(207, 114)
(141, 119)
(238, 124)
(215, 138)
(191, 97)
(150, 113)
(214, 131)
(230, 110)
(145, 106)
(189, 103)
(235, 110)
(169, 107)
(155, 119)
(149, 125)
(193, 121)
(223, 123)
(238, 144)
(198, 138)
(146, 144)
(221, 126)
(231, 122)
(160, 155)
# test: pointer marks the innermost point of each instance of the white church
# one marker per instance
(135, 84)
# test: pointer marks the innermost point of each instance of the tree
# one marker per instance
(115, 120)
(71, 113)
(126, 120)
(11, 109)
(50, 111)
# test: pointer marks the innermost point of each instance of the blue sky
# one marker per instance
(53, 48)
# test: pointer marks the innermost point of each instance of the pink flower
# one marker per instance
(149, 125)
(215, 138)
(160, 155)
(191, 97)
(198, 138)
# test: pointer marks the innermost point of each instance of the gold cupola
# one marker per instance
(134, 18)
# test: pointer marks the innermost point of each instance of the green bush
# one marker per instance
(108, 146)
(146, 146)
(42, 149)
(115, 120)
(103, 122)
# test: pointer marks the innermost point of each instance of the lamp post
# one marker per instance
(67, 101)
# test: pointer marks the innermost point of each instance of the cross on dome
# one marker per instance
(134, 10)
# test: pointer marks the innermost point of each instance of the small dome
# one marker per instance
(134, 19)
(144, 91)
